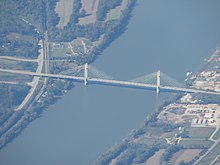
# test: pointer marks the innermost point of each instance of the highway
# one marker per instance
(19, 59)
(35, 81)
(216, 142)
(8, 82)
(46, 53)
(42, 74)
(110, 82)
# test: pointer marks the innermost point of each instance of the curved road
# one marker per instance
(35, 81)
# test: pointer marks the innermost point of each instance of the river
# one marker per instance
(173, 36)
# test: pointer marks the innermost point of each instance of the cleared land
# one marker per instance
(155, 159)
(64, 10)
(185, 155)
(64, 50)
(91, 8)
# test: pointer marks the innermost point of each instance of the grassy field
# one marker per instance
(153, 132)
(151, 136)
(114, 14)
(4, 62)
(18, 65)
(70, 49)
(191, 143)
(152, 141)
(88, 42)
(17, 36)
(14, 77)
(59, 51)
(170, 134)
(200, 132)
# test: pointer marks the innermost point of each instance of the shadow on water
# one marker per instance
(132, 87)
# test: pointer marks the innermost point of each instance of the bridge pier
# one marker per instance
(86, 68)
(158, 81)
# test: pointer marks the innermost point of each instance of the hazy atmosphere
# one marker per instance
(128, 82)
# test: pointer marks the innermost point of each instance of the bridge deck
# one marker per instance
(112, 82)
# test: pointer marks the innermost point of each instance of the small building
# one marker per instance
(208, 115)
(204, 122)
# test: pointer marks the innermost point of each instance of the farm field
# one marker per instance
(211, 156)
(155, 159)
(91, 8)
(64, 11)
(200, 132)
(116, 13)
(185, 155)
(189, 143)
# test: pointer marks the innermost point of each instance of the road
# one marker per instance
(71, 48)
(217, 157)
(8, 82)
(19, 59)
(213, 162)
(216, 142)
(211, 137)
(35, 81)
(46, 53)
(209, 150)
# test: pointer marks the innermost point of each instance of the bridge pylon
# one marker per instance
(158, 81)
(86, 75)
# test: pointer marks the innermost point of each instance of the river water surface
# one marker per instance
(173, 36)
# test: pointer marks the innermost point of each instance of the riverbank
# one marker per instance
(74, 128)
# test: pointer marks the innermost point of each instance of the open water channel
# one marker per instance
(173, 36)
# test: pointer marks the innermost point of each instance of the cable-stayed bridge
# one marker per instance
(88, 74)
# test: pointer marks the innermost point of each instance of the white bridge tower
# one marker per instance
(158, 81)
(86, 75)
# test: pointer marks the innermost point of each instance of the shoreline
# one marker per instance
(50, 100)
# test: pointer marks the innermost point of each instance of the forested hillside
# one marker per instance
(23, 24)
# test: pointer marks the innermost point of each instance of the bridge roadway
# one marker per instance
(110, 82)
